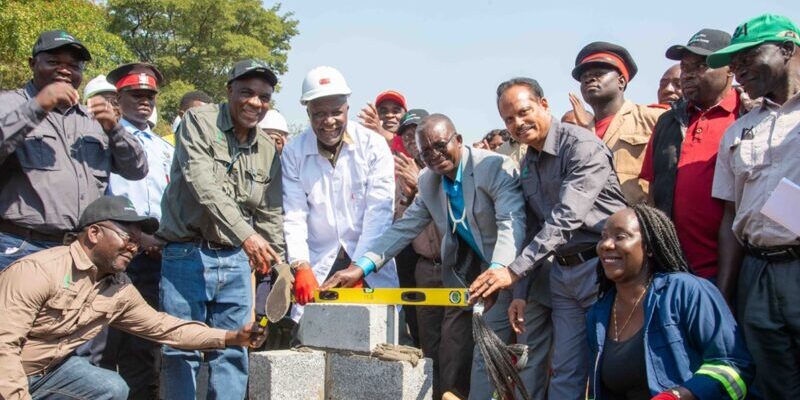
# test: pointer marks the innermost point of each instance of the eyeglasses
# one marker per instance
(126, 238)
(438, 147)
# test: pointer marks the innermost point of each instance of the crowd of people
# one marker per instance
(624, 244)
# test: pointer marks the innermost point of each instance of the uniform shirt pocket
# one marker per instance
(668, 354)
(39, 150)
(94, 153)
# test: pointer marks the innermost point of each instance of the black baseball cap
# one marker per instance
(56, 39)
(412, 117)
(252, 67)
(702, 43)
(599, 53)
(116, 208)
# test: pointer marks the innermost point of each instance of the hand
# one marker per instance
(369, 118)
(481, 144)
(151, 246)
(582, 117)
(348, 277)
(103, 112)
(516, 315)
(57, 94)
(305, 284)
(407, 171)
(251, 335)
(260, 253)
(489, 282)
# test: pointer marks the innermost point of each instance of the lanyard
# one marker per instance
(456, 222)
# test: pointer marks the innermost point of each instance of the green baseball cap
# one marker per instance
(759, 30)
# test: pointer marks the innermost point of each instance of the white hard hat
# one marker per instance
(274, 120)
(321, 82)
(98, 85)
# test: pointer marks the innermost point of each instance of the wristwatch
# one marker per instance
(675, 393)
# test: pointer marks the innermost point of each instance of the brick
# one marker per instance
(354, 327)
(287, 375)
(356, 377)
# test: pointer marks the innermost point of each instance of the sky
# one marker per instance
(449, 56)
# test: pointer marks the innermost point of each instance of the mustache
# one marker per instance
(524, 128)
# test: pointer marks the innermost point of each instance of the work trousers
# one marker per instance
(573, 290)
(768, 304)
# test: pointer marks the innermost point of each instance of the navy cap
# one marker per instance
(56, 39)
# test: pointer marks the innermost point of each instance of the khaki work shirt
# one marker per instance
(220, 190)
(52, 303)
(756, 152)
(627, 137)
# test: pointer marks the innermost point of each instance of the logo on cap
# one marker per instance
(741, 30)
(324, 81)
(788, 34)
(143, 79)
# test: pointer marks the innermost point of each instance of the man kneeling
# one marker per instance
(57, 299)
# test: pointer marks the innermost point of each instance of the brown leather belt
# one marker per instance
(30, 234)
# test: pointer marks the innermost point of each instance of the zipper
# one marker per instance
(594, 375)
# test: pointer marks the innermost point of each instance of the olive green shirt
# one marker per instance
(222, 191)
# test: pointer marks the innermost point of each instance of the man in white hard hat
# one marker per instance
(338, 189)
(99, 86)
(275, 126)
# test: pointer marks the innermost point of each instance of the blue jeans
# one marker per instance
(13, 247)
(77, 379)
(210, 286)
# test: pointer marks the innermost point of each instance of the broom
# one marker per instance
(499, 357)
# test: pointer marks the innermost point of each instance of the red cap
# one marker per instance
(392, 95)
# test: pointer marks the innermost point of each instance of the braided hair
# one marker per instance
(664, 253)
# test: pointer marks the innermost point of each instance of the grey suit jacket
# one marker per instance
(495, 211)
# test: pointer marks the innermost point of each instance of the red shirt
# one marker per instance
(600, 127)
(397, 146)
(697, 215)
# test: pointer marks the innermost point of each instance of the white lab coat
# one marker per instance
(349, 206)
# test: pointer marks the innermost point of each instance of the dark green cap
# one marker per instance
(762, 29)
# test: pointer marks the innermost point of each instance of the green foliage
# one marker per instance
(194, 42)
(21, 22)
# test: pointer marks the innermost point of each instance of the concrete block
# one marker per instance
(354, 327)
(287, 375)
(355, 377)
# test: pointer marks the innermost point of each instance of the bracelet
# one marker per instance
(675, 393)
(296, 264)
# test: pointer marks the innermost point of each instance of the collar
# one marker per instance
(728, 103)
(553, 138)
(79, 256)
(132, 129)
(769, 104)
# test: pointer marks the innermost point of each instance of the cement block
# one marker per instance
(354, 327)
(287, 375)
(355, 377)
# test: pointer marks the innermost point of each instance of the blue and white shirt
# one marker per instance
(146, 194)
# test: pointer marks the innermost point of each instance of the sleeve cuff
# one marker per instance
(241, 230)
(366, 265)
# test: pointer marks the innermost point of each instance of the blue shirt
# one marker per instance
(146, 194)
(458, 218)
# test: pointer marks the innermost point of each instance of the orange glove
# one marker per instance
(305, 283)
(359, 284)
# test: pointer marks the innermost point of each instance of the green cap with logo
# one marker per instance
(759, 30)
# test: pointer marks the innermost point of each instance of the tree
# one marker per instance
(194, 42)
(21, 22)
